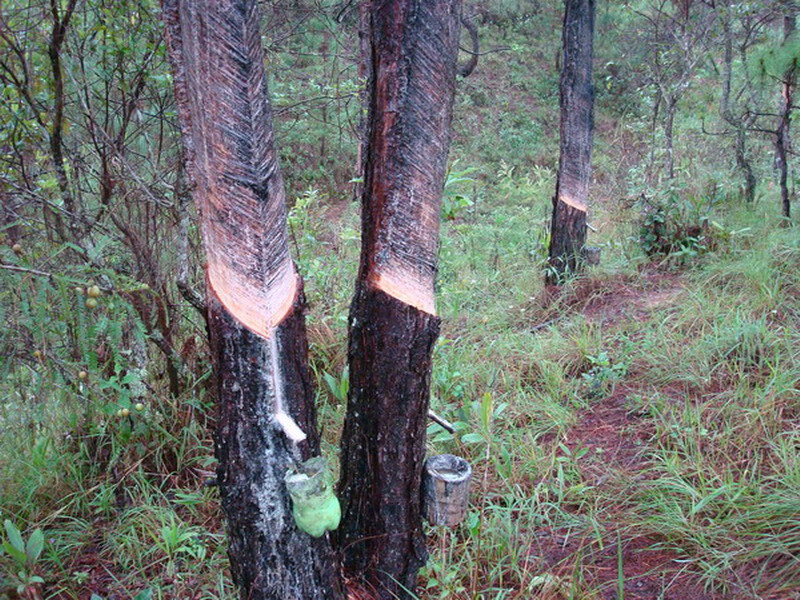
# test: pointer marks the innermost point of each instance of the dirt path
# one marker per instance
(614, 436)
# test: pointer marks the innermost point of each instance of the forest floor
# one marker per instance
(617, 434)
(633, 433)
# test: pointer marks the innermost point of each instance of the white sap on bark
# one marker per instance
(282, 418)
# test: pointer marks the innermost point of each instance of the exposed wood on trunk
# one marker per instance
(255, 299)
(414, 46)
(568, 225)
(233, 166)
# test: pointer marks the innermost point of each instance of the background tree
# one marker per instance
(393, 322)
(568, 223)
(677, 37)
(782, 137)
(85, 150)
(255, 297)
(739, 103)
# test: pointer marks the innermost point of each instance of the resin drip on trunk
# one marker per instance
(255, 298)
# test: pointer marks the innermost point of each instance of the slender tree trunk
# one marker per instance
(468, 67)
(364, 71)
(726, 111)
(568, 225)
(672, 107)
(782, 139)
(743, 164)
(56, 133)
(254, 296)
(393, 325)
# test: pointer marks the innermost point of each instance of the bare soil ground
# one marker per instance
(616, 439)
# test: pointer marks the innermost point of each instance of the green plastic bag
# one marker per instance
(314, 505)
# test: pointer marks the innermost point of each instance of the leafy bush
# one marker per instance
(675, 226)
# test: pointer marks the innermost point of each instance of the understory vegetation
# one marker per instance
(633, 433)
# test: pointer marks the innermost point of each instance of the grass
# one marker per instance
(704, 361)
(633, 434)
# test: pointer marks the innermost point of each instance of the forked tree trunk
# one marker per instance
(393, 325)
(568, 224)
(254, 296)
(782, 139)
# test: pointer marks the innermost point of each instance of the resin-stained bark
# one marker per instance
(270, 557)
(568, 226)
(393, 326)
(255, 300)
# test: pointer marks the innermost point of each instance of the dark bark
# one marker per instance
(413, 49)
(568, 224)
(254, 296)
(782, 139)
(270, 557)
(383, 443)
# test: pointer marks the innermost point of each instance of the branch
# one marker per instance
(446, 425)
(467, 68)
(25, 270)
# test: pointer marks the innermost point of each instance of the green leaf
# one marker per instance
(18, 556)
(712, 496)
(35, 546)
(472, 438)
(486, 410)
(15, 537)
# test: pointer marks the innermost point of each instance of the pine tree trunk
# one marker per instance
(254, 296)
(568, 224)
(393, 325)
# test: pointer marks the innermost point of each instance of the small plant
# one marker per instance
(338, 387)
(24, 556)
(487, 413)
(674, 227)
(454, 203)
(177, 538)
(601, 378)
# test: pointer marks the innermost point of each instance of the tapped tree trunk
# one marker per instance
(568, 224)
(393, 322)
(254, 297)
